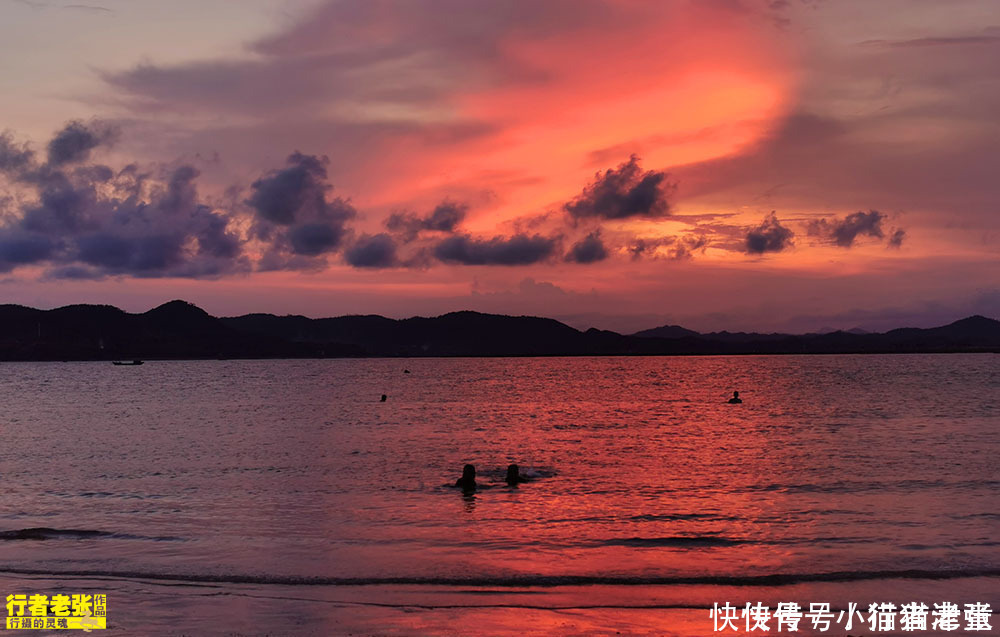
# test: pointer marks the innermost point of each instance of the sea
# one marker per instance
(284, 497)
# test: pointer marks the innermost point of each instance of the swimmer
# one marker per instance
(384, 398)
(514, 476)
(468, 480)
(735, 400)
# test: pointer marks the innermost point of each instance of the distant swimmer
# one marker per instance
(735, 400)
(468, 480)
(514, 476)
(406, 371)
(384, 398)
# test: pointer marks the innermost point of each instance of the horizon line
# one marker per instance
(468, 311)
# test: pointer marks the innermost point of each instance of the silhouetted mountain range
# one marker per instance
(181, 330)
(667, 331)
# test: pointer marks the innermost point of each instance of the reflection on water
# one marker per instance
(834, 468)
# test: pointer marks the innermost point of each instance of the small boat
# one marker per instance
(135, 362)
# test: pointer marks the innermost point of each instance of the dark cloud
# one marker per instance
(296, 192)
(623, 192)
(83, 220)
(14, 158)
(214, 236)
(97, 174)
(378, 251)
(76, 140)
(87, 221)
(169, 233)
(23, 249)
(590, 249)
(446, 217)
(685, 247)
(844, 232)
(73, 272)
(65, 206)
(517, 250)
(279, 258)
(181, 193)
(769, 236)
(312, 239)
(675, 248)
(294, 211)
(896, 238)
(136, 255)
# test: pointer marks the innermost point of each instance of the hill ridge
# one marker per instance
(179, 329)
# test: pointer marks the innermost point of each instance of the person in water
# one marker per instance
(735, 400)
(514, 476)
(468, 480)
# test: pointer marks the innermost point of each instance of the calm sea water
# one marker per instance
(281, 497)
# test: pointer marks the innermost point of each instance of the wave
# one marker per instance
(675, 517)
(850, 486)
(520, 581)
(646, 517)
(45, 533)
(678, 541)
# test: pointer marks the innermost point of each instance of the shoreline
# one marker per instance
(137, 606)
(509, 356)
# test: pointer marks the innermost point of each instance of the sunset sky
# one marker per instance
(787, 165)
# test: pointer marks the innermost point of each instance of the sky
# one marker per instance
(769, 165)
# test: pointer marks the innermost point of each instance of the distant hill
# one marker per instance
(454, 334)
(100, 332)
(972, 334)
(666, 331)
(181, 330)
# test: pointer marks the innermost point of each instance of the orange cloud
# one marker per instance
(674, 83)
